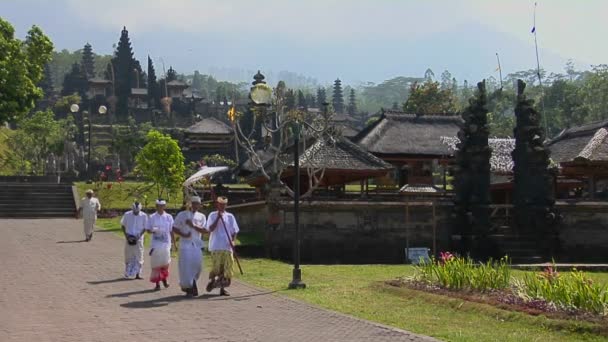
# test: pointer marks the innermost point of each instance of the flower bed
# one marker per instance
(571, 295)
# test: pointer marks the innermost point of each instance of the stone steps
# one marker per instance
(36, 200)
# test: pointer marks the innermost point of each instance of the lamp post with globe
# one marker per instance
(261, 96)
(101, 110)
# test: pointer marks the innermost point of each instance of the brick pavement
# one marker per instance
(57, 288)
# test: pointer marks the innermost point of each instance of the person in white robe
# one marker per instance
(223, 228)
(89, 207)
(160, 225)
(189, 225)
(133, 225)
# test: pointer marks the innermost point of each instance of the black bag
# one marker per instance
(131, 240)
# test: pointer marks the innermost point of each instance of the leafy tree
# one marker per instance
(321, 96)
(197, 81)
(384, 95)
(37, 136)
(352, 103)
(63, 104)
(75, 82)
(88, 61)
(428, 98)
(21, 69)
(161, 161)
(218, 160)
(337, 99)
(128, 140)
(595, 93)
(564, 106)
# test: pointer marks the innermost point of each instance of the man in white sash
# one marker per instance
(160, 225)
(189, 224)
(133, 225)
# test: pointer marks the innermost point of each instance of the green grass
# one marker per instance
(358, 290)
(122, 195)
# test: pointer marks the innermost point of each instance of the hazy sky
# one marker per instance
(356, 40)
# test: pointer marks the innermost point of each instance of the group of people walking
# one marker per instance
(190, 225)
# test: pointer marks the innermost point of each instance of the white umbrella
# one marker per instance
(204, 171)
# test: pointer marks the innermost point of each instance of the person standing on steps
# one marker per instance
(133, 225)
(189, 224)
(89, 207)
(223, 229)
(160, 225)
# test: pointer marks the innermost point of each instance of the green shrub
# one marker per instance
(463, 273)
(570, 291)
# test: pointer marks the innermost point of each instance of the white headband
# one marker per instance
(161, 202)
(195, 199)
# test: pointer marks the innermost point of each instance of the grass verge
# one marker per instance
(359, 290)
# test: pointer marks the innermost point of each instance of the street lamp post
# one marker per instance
(261, 95)
(296, 281)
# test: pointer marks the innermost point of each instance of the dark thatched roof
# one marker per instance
(398, 133)
(209, 126)
(583, 143)
(341, 154)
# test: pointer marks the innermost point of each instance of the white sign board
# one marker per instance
(414, 254)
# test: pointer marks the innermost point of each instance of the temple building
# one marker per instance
(411, 143)
(207, 137)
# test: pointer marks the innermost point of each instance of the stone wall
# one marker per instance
(376, 232)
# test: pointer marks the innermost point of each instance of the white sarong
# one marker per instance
(160, 257)
(190, 263)
(134, 258)
(89, 226)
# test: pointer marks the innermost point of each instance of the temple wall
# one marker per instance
(376, 232)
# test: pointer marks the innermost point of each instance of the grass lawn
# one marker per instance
(358, 290)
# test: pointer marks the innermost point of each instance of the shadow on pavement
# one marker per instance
(154, 303)
(127, 294)
(109, 281)
(236, 298)
(74, 241)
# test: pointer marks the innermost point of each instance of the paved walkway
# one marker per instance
(57, 288)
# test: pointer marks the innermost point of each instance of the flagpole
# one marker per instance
(540, 81)
(499, 70)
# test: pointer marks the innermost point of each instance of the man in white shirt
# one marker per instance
(89, 207)
(223, 229)
(133, 225)
(189, 224)
(160, 225)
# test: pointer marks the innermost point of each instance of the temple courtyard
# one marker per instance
(58, 288)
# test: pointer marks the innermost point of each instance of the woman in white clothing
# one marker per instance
(160, 225)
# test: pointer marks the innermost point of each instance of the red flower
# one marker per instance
(103, 176)
(108, 168)
(120, 179)
(446, 256)
(117, 171)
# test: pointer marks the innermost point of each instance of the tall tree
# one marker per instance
(197, 81)
(21, 68)
(171, 74)
(75, 82)
(46, 84)
(290, 99)
(311, 100)
(124, 77)
(321, 97)
(337, 99)
(153, 90)
(446, 80)
(88, 61)
(352, 103)
(429, 75)
(302, 100)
